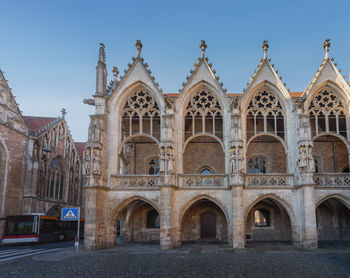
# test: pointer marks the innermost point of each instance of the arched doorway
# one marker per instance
(268, 222)
(137, 221)
(203, 152)
(266, 154)
(204, 221)
(333, 222)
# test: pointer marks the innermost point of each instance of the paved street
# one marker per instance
(16, 252)
(138, 260)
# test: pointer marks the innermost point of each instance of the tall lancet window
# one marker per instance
(141, 115)
(203, 115)
(265, 114)
(327, 114)
(55, 181)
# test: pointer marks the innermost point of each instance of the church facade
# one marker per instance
(264, 165)
(40, 164)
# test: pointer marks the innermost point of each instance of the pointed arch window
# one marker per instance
(141, 115)
(265, 114)
(256, 165)
(203, 115)
(56, 181)
(327, 114)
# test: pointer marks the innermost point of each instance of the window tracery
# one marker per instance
(141, 115)
(256, 165)
(327, 114)
(265, 114)
(55, 182)
(203, 115)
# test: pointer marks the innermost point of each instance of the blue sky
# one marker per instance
(48, 49)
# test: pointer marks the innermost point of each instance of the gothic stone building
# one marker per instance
(40, 165)
(265, 165)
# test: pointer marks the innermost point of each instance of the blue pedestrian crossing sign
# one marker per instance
(70, 214)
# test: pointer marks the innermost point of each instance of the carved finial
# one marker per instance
(63, 112)
(138, 47)
(265, 46)
(101, 53)
(203, 46)
(326, 46)
(115, 72)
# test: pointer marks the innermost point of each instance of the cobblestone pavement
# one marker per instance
(139, 260)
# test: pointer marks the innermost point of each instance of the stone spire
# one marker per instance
(138, 47)
(326, 46)
(265, 47)
(101, 54)
(203, 47)
(101, 72)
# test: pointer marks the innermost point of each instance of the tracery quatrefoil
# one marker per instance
(204, 101)
(141, 101)
(264, 100)
(326, 100)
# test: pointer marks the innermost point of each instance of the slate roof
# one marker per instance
(80, 146)
(37, 123)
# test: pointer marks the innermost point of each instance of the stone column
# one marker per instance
(309, 226)
(90, 219)
(166, 217)
(238, 217)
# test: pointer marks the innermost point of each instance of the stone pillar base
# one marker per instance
(165, 239)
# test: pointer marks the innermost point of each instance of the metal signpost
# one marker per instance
(72, 214)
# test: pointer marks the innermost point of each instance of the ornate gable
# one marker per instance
(10, 115)
(203, 71)
(327, 71)
(137, 72)
(264, 74)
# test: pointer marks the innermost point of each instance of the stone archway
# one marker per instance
(203, 220)
(268, 221)
(333, 222)
(136, 219)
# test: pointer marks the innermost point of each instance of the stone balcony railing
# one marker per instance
(332, 179)
(269, 180)
(202, 181)
(135, 181)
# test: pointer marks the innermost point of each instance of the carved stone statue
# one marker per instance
(236, 158)
(96, 161)
(306, 162)
(87, 161)
(302, 159)
(305, 131)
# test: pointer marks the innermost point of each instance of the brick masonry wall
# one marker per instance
(199, 155)
(15, 144)
(323, 151)
(272, 152)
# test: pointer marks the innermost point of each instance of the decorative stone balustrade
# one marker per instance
(202, 181)
(332, 180)
(135, 181)
(269, 180)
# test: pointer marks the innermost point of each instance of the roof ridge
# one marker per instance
(196, 66)
(48, 126)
